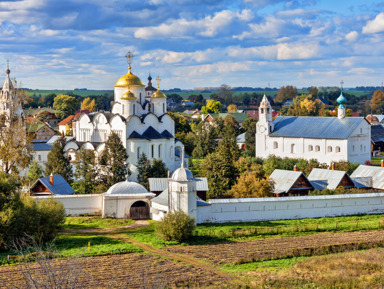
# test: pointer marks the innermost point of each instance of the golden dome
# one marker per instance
(128, 95)
(158, 94)
(129, 80)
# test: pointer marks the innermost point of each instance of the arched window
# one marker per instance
(140, 97)
(329, 149)
(153, 151)
(123, 108)
(365, 148)
(159, 152)
(163, 107)
(292, 148)
(275, 145)
(310, 148)
(353, 148)
(337, 149)
(361, 147)
(317, 148)
(171, 152)
(138, 152)
(134, 108)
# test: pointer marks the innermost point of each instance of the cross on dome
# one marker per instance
(158, 82)
(129, 57)
(341, 84)
(8, 70)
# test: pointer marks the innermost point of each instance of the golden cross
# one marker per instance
(158, 82)
(7, 63)
(129, 57)
(341, 84)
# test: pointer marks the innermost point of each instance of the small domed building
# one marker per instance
(127, 200)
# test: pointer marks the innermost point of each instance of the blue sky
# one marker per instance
(192, 43)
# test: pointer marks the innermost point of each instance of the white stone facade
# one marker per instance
(353, 147)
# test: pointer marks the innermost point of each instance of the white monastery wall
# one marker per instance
(76, 205)
(118, 206)
(253, 209)
(359, 148)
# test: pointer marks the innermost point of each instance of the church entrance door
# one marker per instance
(139, 211)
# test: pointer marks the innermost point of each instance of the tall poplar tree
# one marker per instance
(114, 161)
(57, 163)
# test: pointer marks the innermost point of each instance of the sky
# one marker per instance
(193, 43)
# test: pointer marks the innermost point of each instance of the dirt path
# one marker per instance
(136, 224)
(176, 256)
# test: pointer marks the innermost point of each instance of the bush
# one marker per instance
(176, 226)
(38, 220)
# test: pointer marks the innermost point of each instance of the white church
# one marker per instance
(139, 116)
(327, 139)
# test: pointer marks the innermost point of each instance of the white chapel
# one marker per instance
(141, 121)
(327, 139)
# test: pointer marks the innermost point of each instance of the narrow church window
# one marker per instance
(337, 149)
(262, 110)
(138, 152)
(365, 148)
(353, 148)
(153, 151)
(123, 109)
(140, 97)
(310, 148)
(275, 145)
(329, 149)
(159, 151)
(171, 153)
(317, 148)
(134, 108)
(292, 148)
(361, 130)
(361, 147)
(163, 107)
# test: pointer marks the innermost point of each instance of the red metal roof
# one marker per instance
(66, 120)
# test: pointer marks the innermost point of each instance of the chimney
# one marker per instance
(51, 179)
(382, 163)
(295, 168)
(332, 166)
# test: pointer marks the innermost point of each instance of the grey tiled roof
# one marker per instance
(284, 180)
(326, 179)
(362, 174)
(315, 127)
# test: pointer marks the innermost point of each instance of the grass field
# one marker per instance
(83, 93)
(375, 161)
(94, 222)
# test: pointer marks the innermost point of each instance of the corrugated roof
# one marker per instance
(326, 179)
(315, 127)
(162, 199)
(377, 133)
(240, 138)
(161, 184)
(376, 173)
(59, 187)
(380, 117)
(284, 180)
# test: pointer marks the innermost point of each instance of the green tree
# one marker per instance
(144, 170)
(181, 123)
(211, 107)
(249, 125)
(225, 94)
(35, 172)
(313, 91)
(57, 163)
(114, 161)
(86, 171)
(158, 169)
(65, 105)
(88, 104)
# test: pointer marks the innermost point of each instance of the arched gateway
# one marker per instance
(139, 211)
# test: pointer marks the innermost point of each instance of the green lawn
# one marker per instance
(94, 222)
(376, 161)
(83, 93)
(219, 233)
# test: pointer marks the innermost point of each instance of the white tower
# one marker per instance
(264, 126)
(182, 191)
(158, 101)
(10, 105)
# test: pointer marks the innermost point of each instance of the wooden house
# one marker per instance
(290, 183)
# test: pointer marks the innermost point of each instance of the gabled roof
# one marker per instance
(166, 134)
(59, 187)
(284, 180)
(41, 146)
(362, 174)
(66, 120)
(380, 117)
(160, 184)
(315, 127)
(377, 133)
(326, 179)
(151, 133)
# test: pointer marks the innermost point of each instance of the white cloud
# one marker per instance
(375, 25)
(209, 26)
(290, 51)
(352, 36)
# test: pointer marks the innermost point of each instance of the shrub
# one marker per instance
(39, 220)
(176, 226)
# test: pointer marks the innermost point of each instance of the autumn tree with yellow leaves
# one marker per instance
(88, 104)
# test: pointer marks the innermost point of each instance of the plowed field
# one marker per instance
(274, 247)
(127, 271)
